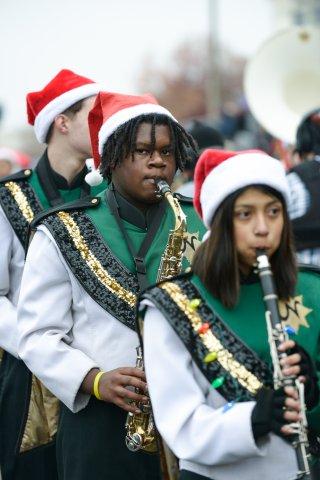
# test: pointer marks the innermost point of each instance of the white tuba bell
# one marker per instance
(282, 80)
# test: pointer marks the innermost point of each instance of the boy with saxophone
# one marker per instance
(77, 334)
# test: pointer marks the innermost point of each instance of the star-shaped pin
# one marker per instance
(294, 313)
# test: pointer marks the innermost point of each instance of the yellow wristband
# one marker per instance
(96, 385)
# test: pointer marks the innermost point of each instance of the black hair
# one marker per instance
(205, 135)
(216, 260)
(308, 134)
(123, 142)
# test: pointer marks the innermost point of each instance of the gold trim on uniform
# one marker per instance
(211, 342)
(93, 263)
(21, 200)
(42, 419)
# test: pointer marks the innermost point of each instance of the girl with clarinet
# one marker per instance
(206, 349)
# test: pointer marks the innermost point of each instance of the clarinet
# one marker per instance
(276, 335)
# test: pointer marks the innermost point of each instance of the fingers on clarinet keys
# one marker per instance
(291, 364)
(291, 411)
(274, 409)
(287, 346)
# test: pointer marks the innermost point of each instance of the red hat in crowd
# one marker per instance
(18, 159)
(63, 91)
(219, 173)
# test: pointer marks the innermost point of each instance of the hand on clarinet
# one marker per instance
(299, 364)
(274, 411)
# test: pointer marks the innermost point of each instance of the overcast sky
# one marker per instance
(107, 40)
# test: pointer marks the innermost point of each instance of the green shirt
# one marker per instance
(107, 225)
(68, 195)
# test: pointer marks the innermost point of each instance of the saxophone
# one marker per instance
(276, 335)
(140, 429)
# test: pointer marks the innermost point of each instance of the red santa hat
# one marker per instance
(64, 90)
(111, 110)
(15, 157)
(219, 173)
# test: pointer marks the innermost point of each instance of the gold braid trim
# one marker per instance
(42, 419)
(93, 263)
(21, 200)
(212, 343)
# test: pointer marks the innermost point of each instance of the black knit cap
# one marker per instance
(205, 135)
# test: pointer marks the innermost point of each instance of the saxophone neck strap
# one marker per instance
(138, 257)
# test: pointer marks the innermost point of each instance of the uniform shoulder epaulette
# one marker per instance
(82, 203)
(183, 198)
(21, 175)
(306, 267)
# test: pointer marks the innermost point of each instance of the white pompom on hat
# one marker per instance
(219, 173)
(93, 177)
(63, 91)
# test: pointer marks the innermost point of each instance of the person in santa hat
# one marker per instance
(58, 114)
(12, 160)
(206, 351)
(77, 333)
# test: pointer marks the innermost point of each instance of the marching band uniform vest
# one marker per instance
(23, 196)
(84, 318)
(213, 360)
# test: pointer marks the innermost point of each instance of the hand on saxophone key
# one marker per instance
(113, 385)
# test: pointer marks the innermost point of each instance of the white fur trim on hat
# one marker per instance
(126, 114)
(58, 105)
(240, 171)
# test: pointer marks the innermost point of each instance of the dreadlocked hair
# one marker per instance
(123, 142)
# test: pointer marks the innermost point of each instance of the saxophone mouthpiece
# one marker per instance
(162, 186)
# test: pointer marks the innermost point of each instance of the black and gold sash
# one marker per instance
(101, 274)
(19, 203)
(227, 363)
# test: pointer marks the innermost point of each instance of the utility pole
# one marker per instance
(213, 86)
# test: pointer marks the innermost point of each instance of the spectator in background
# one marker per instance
(12, 161)
(205, 137)
(304, 184)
